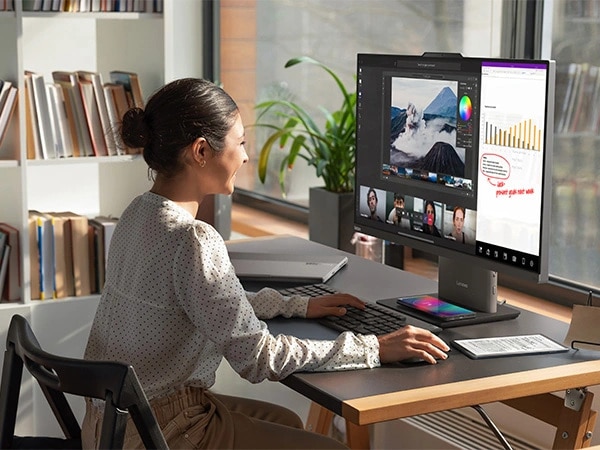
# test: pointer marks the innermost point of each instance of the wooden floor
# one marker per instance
(255, 223)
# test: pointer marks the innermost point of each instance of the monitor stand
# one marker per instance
(471, 287)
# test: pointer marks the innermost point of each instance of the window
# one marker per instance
(257, 37)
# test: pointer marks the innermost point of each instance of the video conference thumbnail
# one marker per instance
(451, 222)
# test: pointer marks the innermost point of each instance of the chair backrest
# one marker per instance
(114, 382)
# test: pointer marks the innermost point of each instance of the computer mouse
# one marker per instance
(416, 360)
(413, 360)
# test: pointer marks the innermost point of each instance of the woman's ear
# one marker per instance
(200, 151)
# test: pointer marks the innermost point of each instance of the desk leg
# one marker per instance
(320, 419)
(572, 426)
(357, 436)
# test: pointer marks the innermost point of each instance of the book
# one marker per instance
(131, 83)
(102, 228)
(118, 95)
(3, 239)
(42, 115)
(45, 243)
(72, 6)
(76, 245)
(4, 256)
(32, 5)
(7, 111)
(75, 109)
(34, 146)
(34, 259)
(4, 90)
(93, 259)
(107, 130)
(61, 132)
(116, 102)
(63, 261)
(71, 118)
(92, 116)
(12, 286)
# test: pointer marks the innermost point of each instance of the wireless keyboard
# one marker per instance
(374, 319)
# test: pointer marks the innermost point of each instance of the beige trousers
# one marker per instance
(194, 418)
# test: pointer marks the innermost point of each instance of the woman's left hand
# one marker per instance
(331, 305)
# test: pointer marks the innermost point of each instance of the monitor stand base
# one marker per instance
(503, 312)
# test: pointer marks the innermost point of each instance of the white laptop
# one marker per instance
(288, 268)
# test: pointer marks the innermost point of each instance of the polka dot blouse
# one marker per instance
(173, 307)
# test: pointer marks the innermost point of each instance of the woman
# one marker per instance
(173, 307)
(458, 221)
(429, 226)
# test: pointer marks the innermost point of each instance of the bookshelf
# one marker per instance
(159, 47)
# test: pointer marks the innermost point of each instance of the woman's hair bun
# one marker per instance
(135, 132)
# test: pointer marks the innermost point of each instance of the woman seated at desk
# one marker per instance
(173, 307)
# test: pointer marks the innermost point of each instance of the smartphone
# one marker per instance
(435, 307)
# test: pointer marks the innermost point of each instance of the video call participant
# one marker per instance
(173, 308)
(397, 214)
(458, 221)
(372, 204)
(429, 226)
(398, 204)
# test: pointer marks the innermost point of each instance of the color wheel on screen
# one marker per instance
(465, 108)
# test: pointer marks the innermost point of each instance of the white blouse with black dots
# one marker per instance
(173, 307)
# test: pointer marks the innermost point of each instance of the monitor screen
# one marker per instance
(453, 157)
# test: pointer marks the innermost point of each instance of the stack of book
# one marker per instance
(77, 114)
(10, 263)
(8, 100)
(7, 5)
(68, 253)
(93, 5)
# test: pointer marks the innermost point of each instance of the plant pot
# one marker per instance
(331, 218)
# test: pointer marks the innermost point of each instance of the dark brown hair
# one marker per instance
(175, 116)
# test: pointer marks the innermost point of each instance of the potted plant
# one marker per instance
(329, 148)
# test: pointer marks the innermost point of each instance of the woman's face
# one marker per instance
(459, 220)
(430, 212)
(223, 166)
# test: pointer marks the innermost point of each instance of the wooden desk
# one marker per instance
(364, 397)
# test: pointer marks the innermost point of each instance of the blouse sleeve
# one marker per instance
(269, 303)
(215, 301)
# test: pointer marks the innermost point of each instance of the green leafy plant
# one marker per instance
(329, 148)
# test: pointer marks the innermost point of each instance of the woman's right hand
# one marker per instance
(411, 342)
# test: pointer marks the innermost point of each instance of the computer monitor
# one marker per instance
(453, 157)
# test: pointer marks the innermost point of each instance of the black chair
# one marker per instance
(114, 382)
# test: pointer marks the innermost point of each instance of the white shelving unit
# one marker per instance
(159, 48)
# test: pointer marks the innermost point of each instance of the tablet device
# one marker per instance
(435, 307)
(527, 344)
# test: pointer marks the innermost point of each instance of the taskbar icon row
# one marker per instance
(507, 256)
